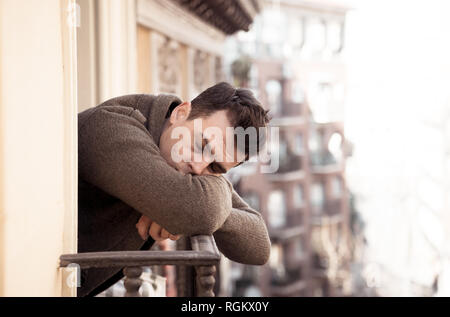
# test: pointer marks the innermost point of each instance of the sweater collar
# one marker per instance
(157, 114)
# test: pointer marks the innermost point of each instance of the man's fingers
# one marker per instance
(143, 227)
(164, 234)
(142, 233)
(142, 230)
(174, 237)
(145, 220)
(155, 231)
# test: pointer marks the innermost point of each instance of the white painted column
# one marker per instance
(87, 56)
(117, 51)
(192, 92)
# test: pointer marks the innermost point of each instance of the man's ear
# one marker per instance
(181, 112)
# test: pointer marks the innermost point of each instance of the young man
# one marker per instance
(131, 183)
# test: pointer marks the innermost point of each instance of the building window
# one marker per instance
(298, 196)
(335, 146)
(277, 209)
(315, 141)
(325, 92)
(299, 248)
(276, 261)
(254, 85)
(317, 195)
(282, 151)
(273, 92)
(315, 37)
(274, 30)
(299, 146)
(336, 185)
(298, 94)
(334, 37)
(296, 34)
(321, 99)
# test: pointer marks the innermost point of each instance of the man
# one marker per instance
(132, 185)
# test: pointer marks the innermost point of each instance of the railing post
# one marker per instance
(185, 273)
(205, 279)
(132, 281)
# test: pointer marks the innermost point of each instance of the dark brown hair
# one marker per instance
(243, 111)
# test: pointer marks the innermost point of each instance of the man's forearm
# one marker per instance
(244, 237)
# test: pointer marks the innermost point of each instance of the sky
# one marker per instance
(398, 117)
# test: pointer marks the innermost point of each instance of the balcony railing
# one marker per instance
(291, 162)
(330, 207)
(197, 252)
(293, 228)
(292, 289)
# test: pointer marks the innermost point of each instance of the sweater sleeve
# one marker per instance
(244, 237)
(118, 154)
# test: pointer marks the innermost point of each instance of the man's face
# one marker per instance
(197, 146)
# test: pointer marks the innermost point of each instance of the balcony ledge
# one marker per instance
(283, 234)
(290, 289)
(287, 177)
(327, 169)
(323, 220)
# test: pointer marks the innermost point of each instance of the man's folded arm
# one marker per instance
(244, 237)
(118, 154)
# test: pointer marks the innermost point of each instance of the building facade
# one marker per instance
(293, 60)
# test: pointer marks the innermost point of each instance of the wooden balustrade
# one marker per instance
(199, 252)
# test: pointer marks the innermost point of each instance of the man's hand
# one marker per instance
(146, 227)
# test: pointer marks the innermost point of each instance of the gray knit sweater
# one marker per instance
(122, 176)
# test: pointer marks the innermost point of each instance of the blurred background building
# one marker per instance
(293, 60)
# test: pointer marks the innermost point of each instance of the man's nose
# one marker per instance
(197, 168)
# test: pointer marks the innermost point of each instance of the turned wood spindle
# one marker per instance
(205, 280)
(132, 281)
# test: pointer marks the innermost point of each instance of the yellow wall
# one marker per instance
(37, 146)
(144, 57)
